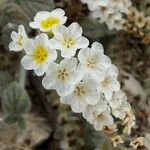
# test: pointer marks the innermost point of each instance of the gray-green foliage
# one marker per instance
(30, 7)
(5, 80)
(94, 29)
(21, 11)
(97, 138)
(16, 102)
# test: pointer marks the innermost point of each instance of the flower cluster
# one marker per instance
(84, 78)
(138, 24)
(109, 11)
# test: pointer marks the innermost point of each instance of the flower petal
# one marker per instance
(14, 35)
(78, 105)
(49, 82)
(70, 64)
(81, 42)
(40, 69)
(27, 62)
(58, 12)
(97, 47)
(29, 46)
(68, 53)
(14, 47)
(75, 30)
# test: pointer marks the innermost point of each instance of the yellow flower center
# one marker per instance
(79, 90)
(62, 74)
(91, 62)
(68, 42)
(105, 82)
(49, 22)
(40, 54)
(20, 40)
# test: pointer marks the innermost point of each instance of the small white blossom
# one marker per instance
(82, 94)
(18, 39)
(117, 99)
(117, 5)
(61, 76)
(127, 6)
(94, 4)
(112, 13)
(38, 54)
(68, 39)
(116, 21)
(121, 111)
(45, 21)
(102, 120)
(108, 82)
(92, 111)
(93, 62)
(103, 13)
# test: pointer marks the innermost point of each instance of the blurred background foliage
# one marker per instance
(47, 124)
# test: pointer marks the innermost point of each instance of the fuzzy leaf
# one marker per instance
(5, 80)
(32, 7)
(22, 11)
(94, 29)
(97, 137)
(16, 101)
(21, 123)
(10, 119)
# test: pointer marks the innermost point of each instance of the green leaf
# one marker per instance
(5, 80)
(16, 100)
(94, 29)
(32, 7)
(97, 137)
(21, 123)
(22, 11)
(10, 119)
(12, 13)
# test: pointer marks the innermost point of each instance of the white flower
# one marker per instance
(68, 39)
(116, 21)
(121, 111)
(108, 82)
(93, 62)
(112, 13)
(62, 76)
(94, 4)
(127, 4)
(117, 99)
(18, 39)
(38, 54)
(103, 13)
(102, 120)
(117, 5)
(45, 21)
(121, 5)
(82, 94)
(92, 111)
